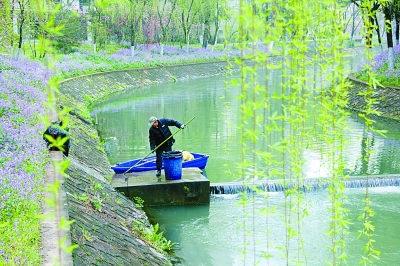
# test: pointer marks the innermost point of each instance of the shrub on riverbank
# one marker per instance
(384, 76)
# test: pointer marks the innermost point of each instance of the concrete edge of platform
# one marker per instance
(193, 188)
(54, 241)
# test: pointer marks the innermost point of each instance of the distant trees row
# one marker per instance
(120, 21)
(391, 12)
(133, 22)
(162, 21)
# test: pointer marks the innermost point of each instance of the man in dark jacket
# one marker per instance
(57, 133)
(159, 132)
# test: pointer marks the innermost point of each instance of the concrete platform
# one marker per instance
(192, 188)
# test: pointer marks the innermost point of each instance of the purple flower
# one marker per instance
(22, 98)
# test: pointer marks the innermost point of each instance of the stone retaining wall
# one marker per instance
(103, 217)
(388, 99)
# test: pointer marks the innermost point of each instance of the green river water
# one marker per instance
(224, 232)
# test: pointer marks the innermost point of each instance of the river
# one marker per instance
(219, 233)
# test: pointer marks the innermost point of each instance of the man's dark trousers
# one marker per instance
(159, 152)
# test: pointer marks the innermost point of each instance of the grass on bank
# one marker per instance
(20, 233)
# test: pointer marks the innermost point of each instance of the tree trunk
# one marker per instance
(368, 35)
(389, 36)
(201, 37)
(20, 31)
(89, 37)
(132, 51)
(378, 31)
(353, 24)
(132, 28)
(94, 40)
(20, 36)
(390, 58)
(206, 36)
(397, 29)
(216, 25)
(132, 38)
(34, 48)
(187, 43)
(13, 25)
(215, 39)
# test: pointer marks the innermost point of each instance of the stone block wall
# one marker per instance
(388, 98)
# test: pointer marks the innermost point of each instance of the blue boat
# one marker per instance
(149, 163)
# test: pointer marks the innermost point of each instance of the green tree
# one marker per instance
(229, 24)
(206, 11)
(68, 36)
(98, 24)
(119, 20)
(136, 15)
(22, 9)
(165, 12)
(397, 19)
(189, 11)
(219, 12)
(352, 15)
(388, 9)
(368, 13)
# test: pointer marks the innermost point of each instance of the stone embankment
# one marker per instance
(106, 222)
(388, 99)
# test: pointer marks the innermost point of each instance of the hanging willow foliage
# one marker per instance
(370, 253)
(303, 43)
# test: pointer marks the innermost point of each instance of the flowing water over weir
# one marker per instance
(307, 185)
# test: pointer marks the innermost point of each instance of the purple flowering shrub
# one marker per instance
(381, 60)
(380, 67)
(22, 150)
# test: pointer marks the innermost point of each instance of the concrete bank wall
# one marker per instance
(107, 223)
(388, 99)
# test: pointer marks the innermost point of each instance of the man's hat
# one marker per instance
(152, 120)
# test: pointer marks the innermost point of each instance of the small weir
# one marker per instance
(307, 185)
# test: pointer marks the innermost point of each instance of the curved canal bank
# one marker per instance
(103, 217)
(388, 99)
(107, 224)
